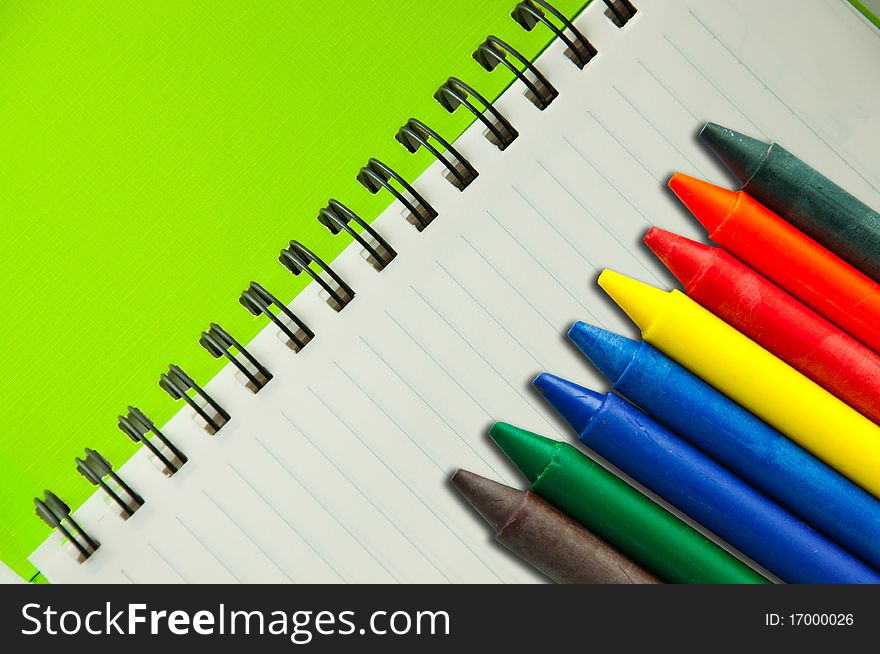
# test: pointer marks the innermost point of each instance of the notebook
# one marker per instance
(337, 469)
(158, 170)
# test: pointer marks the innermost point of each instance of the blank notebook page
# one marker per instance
(337, 471)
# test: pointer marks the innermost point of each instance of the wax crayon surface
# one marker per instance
(753, 377)
(737, 439)
(549, 540)
(801, 195)
(612, 509)
(774, 319)
(786, 256)
(701, 488)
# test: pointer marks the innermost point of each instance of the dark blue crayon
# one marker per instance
(701, 488)
(734, 437)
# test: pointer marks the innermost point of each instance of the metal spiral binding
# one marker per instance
(296, 257)
(136, 425)
(219, 343)
(375, 176)
(55, 513)
(258, 300)
(178, 384)
(454, 93)
(494, 51)
(619, 17)
(336, 217)
(95, 468)
(529, 13)
(415, 134)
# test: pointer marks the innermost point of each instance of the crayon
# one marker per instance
(753, 377)
(789, 258)
(701, 488)
(773, 319)
(546, 538)
(801, 195)
(618, 513)
(735, 438)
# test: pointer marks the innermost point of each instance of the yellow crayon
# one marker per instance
(752, 377)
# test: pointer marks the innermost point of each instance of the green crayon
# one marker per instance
(801, 195)
(615, 511)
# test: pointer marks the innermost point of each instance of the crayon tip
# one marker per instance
(494, 501)
(576, 404)
(686, 259)
(529, 452)
(740, 153)
(710, 204)
(610, 353)
(640, 301)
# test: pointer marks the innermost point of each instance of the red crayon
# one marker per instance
(774, 319)
(791, 259)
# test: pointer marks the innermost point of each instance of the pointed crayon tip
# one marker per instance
(576, 404)
(494, 501)
(640, 301)
(610, 353)
(686, 259)
(710, 204)
(740, 153)
(529, 452)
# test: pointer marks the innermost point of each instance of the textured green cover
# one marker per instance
(154, 158)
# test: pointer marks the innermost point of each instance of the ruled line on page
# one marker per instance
(608, 230)
(170, 565)
(779, 99)
(607, 180)
(511, 286)
(440, 467)
(656, 129)
(428, 405)
(204, 545)
(404, 483)
(326, 510)
(672, 95)
(244, 533)
(647, 120)
(730, 101)
(369, 500)
(489, 314)
(455, 381)
(550, 224)
(269, 504)
(623, 146)
(503, 378)
(535, 260)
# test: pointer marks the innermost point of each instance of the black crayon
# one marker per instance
(801, 195)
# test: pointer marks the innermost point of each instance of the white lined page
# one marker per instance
(338, 470)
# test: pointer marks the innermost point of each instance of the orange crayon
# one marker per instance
(817, 277)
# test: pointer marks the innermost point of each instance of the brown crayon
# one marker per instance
(546, 538)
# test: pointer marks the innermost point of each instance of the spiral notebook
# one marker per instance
(380, 380)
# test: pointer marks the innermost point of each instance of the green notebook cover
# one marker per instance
(155, 160)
